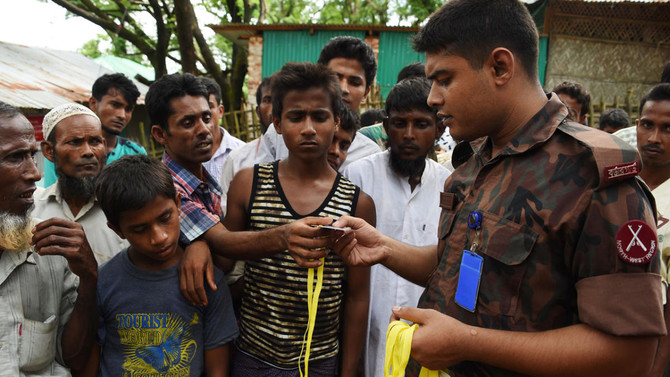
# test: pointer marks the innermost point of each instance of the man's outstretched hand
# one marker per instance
(363, 245)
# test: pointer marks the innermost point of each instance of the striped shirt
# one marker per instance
(274, 304)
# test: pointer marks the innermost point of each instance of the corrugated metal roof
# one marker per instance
(32, 99)
(40, 78)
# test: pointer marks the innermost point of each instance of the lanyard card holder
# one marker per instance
(468, 280)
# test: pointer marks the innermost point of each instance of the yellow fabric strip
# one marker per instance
(398, 349)
(313, 294)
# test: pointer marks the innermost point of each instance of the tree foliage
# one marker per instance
(415, 12)
(160, 30)
(156, 31)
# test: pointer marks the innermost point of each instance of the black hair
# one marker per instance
(472, 29)
(417, 69)
(351, 48)
(349, 121)
(167, 88)
(212, 88)
(259, 92)
(8, 111)
(616, 118)
(303, 76)
(371, 116)
(665, 75)
(117, 81)
(409, 94)
(130, 183)
(660, 92)
(576, 91)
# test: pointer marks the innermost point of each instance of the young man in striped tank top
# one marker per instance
(306, 112)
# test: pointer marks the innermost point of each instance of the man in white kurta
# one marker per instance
(405, 186)
(409, 216)
(653, 143)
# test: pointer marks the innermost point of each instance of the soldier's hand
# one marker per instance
(439, 342)
(66, 238)
(361, 246)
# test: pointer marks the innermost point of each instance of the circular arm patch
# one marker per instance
(636, 242)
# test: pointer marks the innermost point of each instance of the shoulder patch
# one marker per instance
(622, 171)
(616, 160)
(636, 242)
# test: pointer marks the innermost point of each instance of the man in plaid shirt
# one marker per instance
(180, 118)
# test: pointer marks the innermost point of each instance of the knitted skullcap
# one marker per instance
(61, 112)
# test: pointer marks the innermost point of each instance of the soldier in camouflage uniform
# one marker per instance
(568, 282)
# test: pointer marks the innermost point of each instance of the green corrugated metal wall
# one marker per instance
(281, 47)
(395, 52)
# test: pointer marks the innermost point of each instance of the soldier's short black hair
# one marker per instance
(349, 121)
(259, 92)
(303, 76)
(615, 118)
(167, 88)
(351, 48)
(576, 91)
(371, 116)
(409, 94)
(8, 111)
(130, 183)
(472, 29)
(660, 92)
(665, 75)
(212, 88)
(117, 81)
(417, 69)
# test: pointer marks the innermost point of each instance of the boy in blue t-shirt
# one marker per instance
(146, 327)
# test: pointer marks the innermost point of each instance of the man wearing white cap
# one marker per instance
(74, 143)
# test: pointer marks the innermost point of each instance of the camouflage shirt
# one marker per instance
(550, 216)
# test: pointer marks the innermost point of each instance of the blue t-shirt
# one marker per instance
(123, 147)
(146, 326)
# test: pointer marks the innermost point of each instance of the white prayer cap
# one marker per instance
(61, 112)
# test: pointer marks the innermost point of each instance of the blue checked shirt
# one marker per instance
(200, 201)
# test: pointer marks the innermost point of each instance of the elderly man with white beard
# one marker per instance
(48, 275)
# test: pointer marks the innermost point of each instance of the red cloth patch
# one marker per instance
(636, 242)
(621, 171)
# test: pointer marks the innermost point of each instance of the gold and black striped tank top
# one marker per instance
(274, 304)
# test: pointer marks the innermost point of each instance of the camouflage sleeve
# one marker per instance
(618, 282)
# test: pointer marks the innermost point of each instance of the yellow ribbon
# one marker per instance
(312, 304)
(398, 348)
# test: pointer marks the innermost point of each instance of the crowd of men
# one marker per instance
(532, 245)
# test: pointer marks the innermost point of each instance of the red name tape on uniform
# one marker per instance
(636, 242)
(621, 171)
